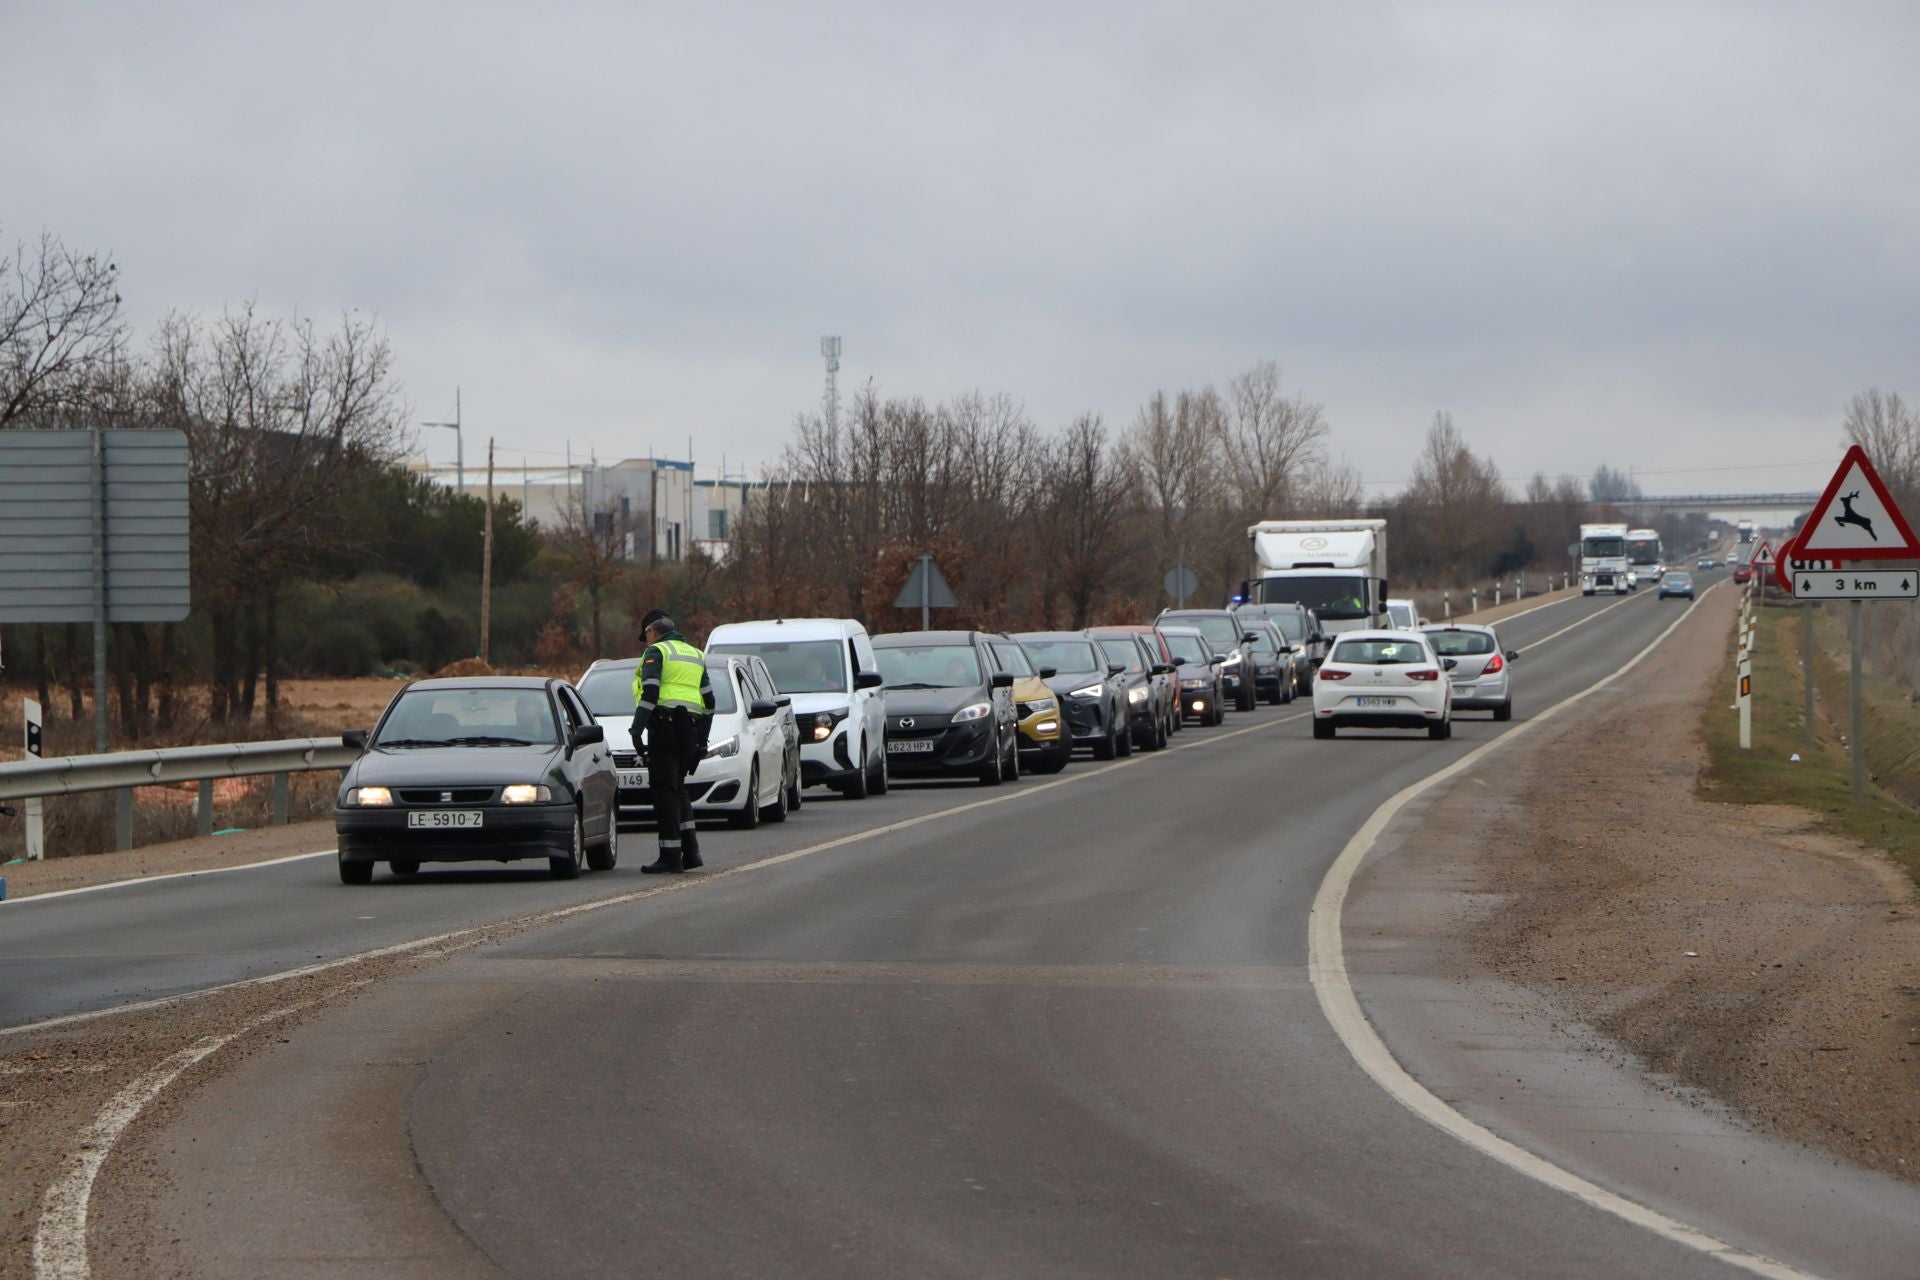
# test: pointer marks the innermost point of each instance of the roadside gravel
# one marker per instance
(1734, 949)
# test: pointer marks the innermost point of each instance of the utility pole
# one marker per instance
(486, 566)
(459, 444)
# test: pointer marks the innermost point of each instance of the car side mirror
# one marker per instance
(355, 738)
(588, 734)
(1048, 673)
(1164, 668)
(1449, 664)
(868, 680)
(1513, 655)
(1286, 648)
(1216, 660)
(1249, 638)
(761, 708)
(1001, 680)
(784, 700)
(1115, 668)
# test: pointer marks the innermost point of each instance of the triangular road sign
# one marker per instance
(1856, 518)
(1763, 557)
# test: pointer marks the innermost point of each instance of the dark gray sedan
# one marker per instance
(487, 769)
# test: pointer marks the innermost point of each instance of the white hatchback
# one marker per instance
(1383, 680)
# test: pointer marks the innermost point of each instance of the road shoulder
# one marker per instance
(177, 857)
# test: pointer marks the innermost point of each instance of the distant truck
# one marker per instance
(1745, 528)
(1337, 568)
(1643, 556)
(1603, 558)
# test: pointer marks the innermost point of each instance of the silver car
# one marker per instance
(1483, 674)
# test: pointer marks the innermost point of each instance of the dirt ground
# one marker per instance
(1735, 949)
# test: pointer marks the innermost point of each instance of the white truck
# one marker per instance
(1337, 568)
(1603, 558)
(1644, 563)
(1745, 530)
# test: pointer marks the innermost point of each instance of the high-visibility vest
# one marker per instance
(682, 668)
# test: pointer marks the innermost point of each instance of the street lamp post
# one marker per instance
(459, 444)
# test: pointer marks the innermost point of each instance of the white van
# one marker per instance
(826, 666)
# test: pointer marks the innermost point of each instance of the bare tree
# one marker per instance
(1881, 423)
(1092, 493)
(1270, 440)
(591, 540)
(60, 329)
(1455, 506)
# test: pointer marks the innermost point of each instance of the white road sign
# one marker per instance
(1856, 518)
(1858, 584)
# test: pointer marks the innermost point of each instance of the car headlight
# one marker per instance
(724, 749)
(1137, 695)
(978, 711)
(1091, 691)
(371, 796)
(825, 722)
(1040, 705)
(525, 793)
(1195, 684)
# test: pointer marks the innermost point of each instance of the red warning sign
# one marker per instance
(1856, 518)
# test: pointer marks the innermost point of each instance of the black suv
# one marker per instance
(1228, 638)
(1301, 627)
(1093, 702)
(1146, 681)
(949, 707)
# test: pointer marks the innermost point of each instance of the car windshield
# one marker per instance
(1291, 626)
(1460, 644)
(1221, 630)
(1012, 658)
(1068, 657)
(469, 718)
(1124, 652)
(1187, 648)
(1380, 653)
(1262, 641)
(1401, 615)
(929, 666)
(798, 666)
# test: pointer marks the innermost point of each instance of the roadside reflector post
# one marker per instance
(1853, 701)
(123, 819)
(203, 810)
(1473, 600)
(1746, 704)
(34, 746)
(1806, 663)
(280, 799)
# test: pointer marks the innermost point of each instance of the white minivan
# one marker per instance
(826, 666)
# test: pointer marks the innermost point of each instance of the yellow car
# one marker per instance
(1045, 744)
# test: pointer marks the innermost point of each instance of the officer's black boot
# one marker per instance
(689, 848)
(668, 863)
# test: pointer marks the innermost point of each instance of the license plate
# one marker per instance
(908, 746)
(633, 779)
(1376, 702)
(443, 819)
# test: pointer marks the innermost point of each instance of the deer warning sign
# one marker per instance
(1856, 519)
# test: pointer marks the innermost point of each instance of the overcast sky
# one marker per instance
(1666, 236)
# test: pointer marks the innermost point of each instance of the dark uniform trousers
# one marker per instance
(673, 752)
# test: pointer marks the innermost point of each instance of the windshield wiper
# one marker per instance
(917, 684)
(409, 742)
(483, 740)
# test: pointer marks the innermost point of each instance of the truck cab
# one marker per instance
(1335, 568)
(1602, 550)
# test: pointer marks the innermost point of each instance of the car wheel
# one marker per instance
(777, 811)
(877, 785)
(1105, 748)
(747, 817)
(1056, 757)
(1013, 759)
(404, 866)
(993, 770)
(602, 857)
(857, 787)
(1440, 732)
(1323, 729)
(1124, 744)
(794, 790)
(1504, 711)
(1247, 699)
(568, 868)
(1217, 714)
(356, 873)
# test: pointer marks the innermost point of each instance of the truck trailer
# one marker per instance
(1337, 568)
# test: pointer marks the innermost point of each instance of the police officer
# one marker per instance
(673, 697)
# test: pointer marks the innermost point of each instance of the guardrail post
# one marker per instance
(280, 781)
(123, 819)
(203, 810)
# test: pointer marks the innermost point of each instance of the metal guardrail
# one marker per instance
(122, 771)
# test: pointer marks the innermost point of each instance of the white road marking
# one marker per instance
(1327, 970)
(171, 875)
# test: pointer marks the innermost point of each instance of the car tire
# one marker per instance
(1107, 746)
(356, 872)
(404, 866)
(994, 771)
(860, 784)
(1217, 714)
(777, 811)
(1247, 699)
(794, 791)
(747, 817)
(1440, 732)
(1012, 769)
(1123, 745)
(568, 867)
(606, 855)
(1323, 729)
(878, 784)
(1504, 711)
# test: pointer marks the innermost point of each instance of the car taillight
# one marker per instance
(1424, 673)
(1493, 664)
(1329, 673)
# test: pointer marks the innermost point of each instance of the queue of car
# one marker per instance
(502, 768)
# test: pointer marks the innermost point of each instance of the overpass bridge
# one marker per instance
(1768, 510)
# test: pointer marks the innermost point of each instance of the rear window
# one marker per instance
(1460, 644)
(1380, 653)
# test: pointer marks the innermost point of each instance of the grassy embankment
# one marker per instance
(1820, 782)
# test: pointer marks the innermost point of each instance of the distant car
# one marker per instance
(1147, 694)
(1045, 745)
(1482, 673)
(1403, 615)
(483, 769)
(1705, 562)
(1383, 680)
(1302, 629)
(1742, 573)
(826, 666)
(1273, 661)
(1228, 638)
(1166, 679)
(1094, 702)
(949, 707)
(1675, 583)
(1202, 690)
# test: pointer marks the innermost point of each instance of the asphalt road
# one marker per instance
(1065, 1032)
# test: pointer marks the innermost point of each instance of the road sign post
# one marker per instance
(1853, 701)
(1806, 667)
